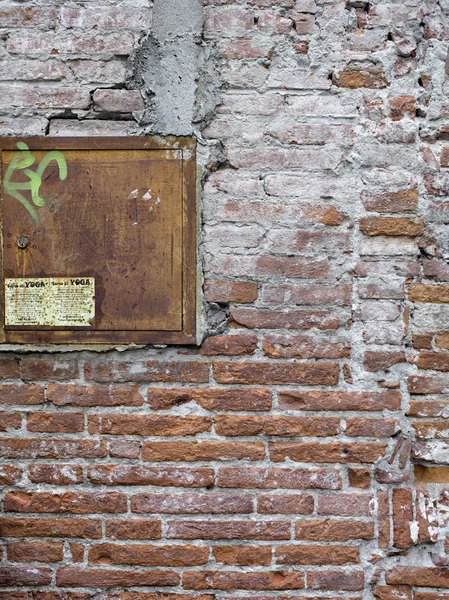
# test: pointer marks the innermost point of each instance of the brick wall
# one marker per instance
(302, 451)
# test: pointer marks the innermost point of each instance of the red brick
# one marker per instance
(345, 505)
(274, 23)
(148, 371)
(51, 448)
(18, 17)
(300, 293)
(69, 422)
(35, 551)
(419, 576)
(54, 527)
(55, 474)
(231, 22)
(388, 592)
(279, 478)
(292, 319)
(229, 425)
(9, 474)
(240, 292)
(332, 530)
(304, 346)
(338, 452)
(21, 394)
(84, 44)
(359, 477)
(125, 101)
(93, 395)
(335, 580)
(202, 451)
(10, 421)
(229, 345)
(252, 399)
(277, 504)
(317, 555)
(148, 556)
(243, 555)
(316, 401)
(133, 529)
(355, 78)
(282, 372)
(18, 576)
(110, 578)
(77, 552)
(124, 448)
(143, 475)
(382, 360)
(422, 341)
(245, 48)
(42, 369)
(433, 360)
(236, 580)
(147, 425)
(391, 226)
(108, 18)
(384, 519)
(212, 503)
(379, 428)
(79, 503)
(9, 369)
(430, 429)
(402, 517)
(390, 202)
(229, 530)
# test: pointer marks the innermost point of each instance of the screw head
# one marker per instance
(22, 242)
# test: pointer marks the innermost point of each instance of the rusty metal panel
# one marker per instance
(118, 213)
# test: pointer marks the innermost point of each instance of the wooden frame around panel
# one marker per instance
(189, 280)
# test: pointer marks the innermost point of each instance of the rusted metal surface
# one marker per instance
(117, 211)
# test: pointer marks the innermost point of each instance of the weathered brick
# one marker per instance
(367, 452)
(345, 505)
(54, 527)
(110, 578)
(268, 373)
(133, 529)
(149, 371)
(228, 425)
(147, 555)
(335, 580)
(51, 448)
(240, 292)
(429, 293)
(69, 422)
(10, 421)
(419, 576)
(354, 78)
(379, 428)
(229, 345)
(236, 580)
(55, 474)
(21, 394)
(125, 101)
(395, 226)
(317, 555)
(143, 475)
(332, 530)
(35, 551)
(71, 502)
(273, 504)
(292, 319)
(9, 475)
(20, 576)
(147, 425)
(93, 395)
(243, 555)
(229, 530)
(402, 517)
(200, 451)
(391, 202)
(120, 18)
(305, 346)
(277, 478)
(192, 503)
(31, 16)
(252, 399)
(316, 401)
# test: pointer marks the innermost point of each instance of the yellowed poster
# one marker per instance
(50, 301)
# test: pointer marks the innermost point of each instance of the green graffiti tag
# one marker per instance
(21, 162)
